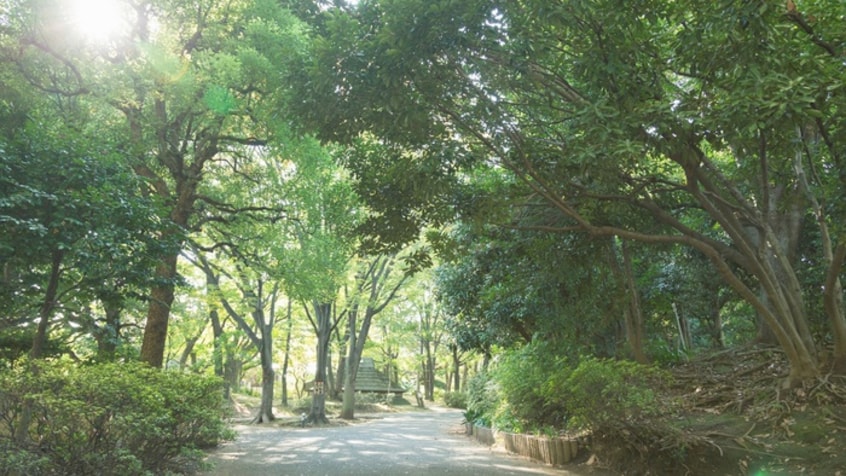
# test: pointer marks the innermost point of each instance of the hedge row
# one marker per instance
(128, 419)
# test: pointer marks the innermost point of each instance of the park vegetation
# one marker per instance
(617, 220)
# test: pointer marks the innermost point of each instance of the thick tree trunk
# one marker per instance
(268, 378)
(348, 406)
(264, 324)
(764, 334)
(833, 304)
(158, 313)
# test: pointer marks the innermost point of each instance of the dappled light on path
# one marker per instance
(415, 443)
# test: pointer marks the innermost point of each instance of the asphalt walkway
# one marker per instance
(414, 443)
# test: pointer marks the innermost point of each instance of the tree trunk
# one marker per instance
(219, 353)
(232, 369)
(456, 368)
(286, 358)
(633, 313)
(628, 302)
(339, 379)
(268, 377)
(715, 320)
(330, 373)
(108, 335)
(356, 348)
(348, 406)
(375, 278)
(39, 341)
(158, 313)
(323, 325)
(265, 327)
(429, 373)
(833, 304)
(188, 352)
(833, 255)
(352, 361)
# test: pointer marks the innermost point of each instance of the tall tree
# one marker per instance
(375, 290)
(183, 85)
(632, 125)
(259, 298)
(323, 212)
(79, 233)
(422, 305)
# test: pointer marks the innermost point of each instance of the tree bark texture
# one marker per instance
(323, 331)
(158, 313)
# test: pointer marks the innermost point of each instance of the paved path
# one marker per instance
(414, 443)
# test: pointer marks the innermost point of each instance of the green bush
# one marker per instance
(482, 399)
(368, 398)
(529, 401)
(455, 400)
(125, 419)
(605, 394)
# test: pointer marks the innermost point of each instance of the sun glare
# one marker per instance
(99, 20)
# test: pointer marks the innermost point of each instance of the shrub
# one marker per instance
(455, 399)
(611, 394)
(368, 398)
(482, 399)
(524, 379)
(630, 426)
(125, 419)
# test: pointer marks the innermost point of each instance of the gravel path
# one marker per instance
(414, 443)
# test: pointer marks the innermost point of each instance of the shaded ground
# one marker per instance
(735, 399)
(727, 413)
(409, 443)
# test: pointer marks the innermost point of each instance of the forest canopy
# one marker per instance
(518, 190)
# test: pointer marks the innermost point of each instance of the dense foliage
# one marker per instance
(634, 124)
(106, 419)
(592, 183)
